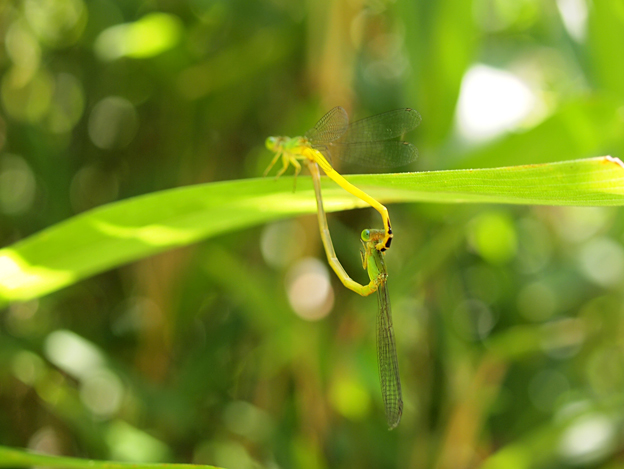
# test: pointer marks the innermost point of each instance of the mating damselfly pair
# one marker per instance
(372, 142)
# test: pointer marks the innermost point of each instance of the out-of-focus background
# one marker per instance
(245, 350)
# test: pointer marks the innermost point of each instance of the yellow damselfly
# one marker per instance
(367, 141)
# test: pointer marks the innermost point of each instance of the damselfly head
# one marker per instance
(273, 143)
(373, 235)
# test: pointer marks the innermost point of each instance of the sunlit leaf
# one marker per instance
(125, 231)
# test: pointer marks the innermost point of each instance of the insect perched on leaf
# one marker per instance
(367, 141)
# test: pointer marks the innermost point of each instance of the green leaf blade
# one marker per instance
(125, 231)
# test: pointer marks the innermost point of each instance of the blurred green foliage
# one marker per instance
(237, 351)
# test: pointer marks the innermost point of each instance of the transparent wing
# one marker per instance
(388, 154)
(329, 128)
(387, 359)
(382, 126)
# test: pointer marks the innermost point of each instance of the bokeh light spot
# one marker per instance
(22, 319)
(25, 97)
(574, 16)
(45, 440)
(491, 101)
(602, 262)
(67, 104)
(128, 443)
(493, 236)
(537, 301)
(151, 35)
(576, 224)
(589, 439)
(310, 293)
(113, 123)
(282, 242)
(232, 454)
(73, 354)
(22, 47)
(56, 22)
(27, 367)
(563, 338)
(350, 398)
(102, 392)
(17, 185)
(248, 420)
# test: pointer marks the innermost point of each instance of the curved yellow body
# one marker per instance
(292, 150)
